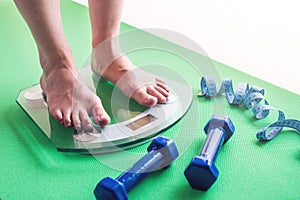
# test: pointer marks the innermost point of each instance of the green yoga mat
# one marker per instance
(31, 168)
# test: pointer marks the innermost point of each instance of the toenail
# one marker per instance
(77, 126)
(68, 125)
(147, 102)
(88, 126)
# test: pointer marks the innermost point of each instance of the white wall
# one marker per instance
(260, 38)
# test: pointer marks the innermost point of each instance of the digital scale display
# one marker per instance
(143, 121)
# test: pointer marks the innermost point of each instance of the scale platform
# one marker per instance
(131, 124)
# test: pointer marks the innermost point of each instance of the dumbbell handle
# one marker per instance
(215, 137)
(153, 160)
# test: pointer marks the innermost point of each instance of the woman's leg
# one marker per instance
(68, 102)
(105, 19)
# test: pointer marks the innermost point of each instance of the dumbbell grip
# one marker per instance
(215, 137)
(148, 163)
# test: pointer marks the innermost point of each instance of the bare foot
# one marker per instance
(135, 83)
(70, 101)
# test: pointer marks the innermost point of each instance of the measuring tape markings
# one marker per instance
(250, 98)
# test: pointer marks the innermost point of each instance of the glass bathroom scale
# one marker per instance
(131, 124)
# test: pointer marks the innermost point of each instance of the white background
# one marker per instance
(259, 37)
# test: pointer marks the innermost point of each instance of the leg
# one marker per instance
(105, 20)
(60, 76)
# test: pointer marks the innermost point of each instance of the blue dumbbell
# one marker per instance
(161, 152)
(202, 172)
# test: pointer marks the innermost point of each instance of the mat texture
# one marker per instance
(31, 168)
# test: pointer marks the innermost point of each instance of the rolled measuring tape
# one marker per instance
(252, 98)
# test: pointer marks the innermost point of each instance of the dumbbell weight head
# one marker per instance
(223, 122)
(110, 189)
(202, 173)
(166, 147)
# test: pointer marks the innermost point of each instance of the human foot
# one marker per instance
(70, 101)
(135, 83)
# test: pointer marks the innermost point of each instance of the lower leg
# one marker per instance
(105, 20)
(59, 69)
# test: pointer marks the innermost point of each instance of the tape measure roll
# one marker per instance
(252, 98)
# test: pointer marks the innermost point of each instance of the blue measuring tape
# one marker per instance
(252, 98)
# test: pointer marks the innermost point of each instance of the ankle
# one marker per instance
(56, 61)
(111, 39)
(104, 55)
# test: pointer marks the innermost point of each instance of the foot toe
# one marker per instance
(162, 91)
(143, 98)
(162, 85)
(67, 118)
(76, 120)
(84, 117)
(154, 92)
(57, 114)
(100, 116)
